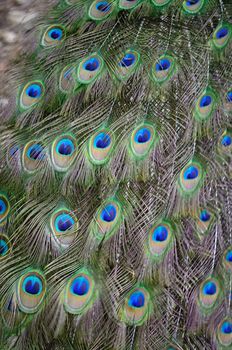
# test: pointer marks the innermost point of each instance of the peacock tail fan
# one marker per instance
(115, 178)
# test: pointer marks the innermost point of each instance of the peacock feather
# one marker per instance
(115, 186)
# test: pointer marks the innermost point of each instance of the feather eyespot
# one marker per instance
(224, 332)
(100, 10)
(160, 240)
(163, 69)
(127, 64)
(160, 3)
(107, 220)
(190, 178)
(128, 4)
(53, 36)
(63, 152)
(222, 35)
(204, 221)
(4, 207)
(227, 260)
(33, 155)
(137, 307)
(4, 246)
(208, 294)
(100, 147)
(67, 80)
(227, 101)
(225, 144)
(206, 105)
(89, 69)
(80, 293)
(142, 139)
(64, 226)
(193, 6)
(31, 94)
(229, 96)
(31, 290)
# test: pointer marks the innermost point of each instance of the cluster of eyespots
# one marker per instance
(53, 36)
(100, 147)
(64, 226)
(4, 207)
(31, 94)
(142, 139)
(63, 152)
(100, 10)
(222, 35)
(4, 245)
(89, 69)
(137, 307)
(31, 291)
(190, 178)
(160, 240)
(80, 292)
(209, 293)
(108, 217)
(224, 332)
(163, 69)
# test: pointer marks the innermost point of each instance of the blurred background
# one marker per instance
(16, 16)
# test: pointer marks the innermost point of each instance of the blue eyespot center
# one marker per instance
(64, 222)
(137, 299)
(205, 101)
(142, 135)
(3, 206)
(3, 247)
(160, 234)
(80, 286)
(55, 33)
(226, 141)
(34, 91)
(162, 65)
(204, 215)
(209, 288)
(65, 147)
(229, 96)
(91, 64)
(36, 152)
(226, 327)
(32, 285)
(102, 140)
(229, 256)
(103, 6)
(191, 2)
(128, 60)
(222, 32)
(191, 173)
(109, 213)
